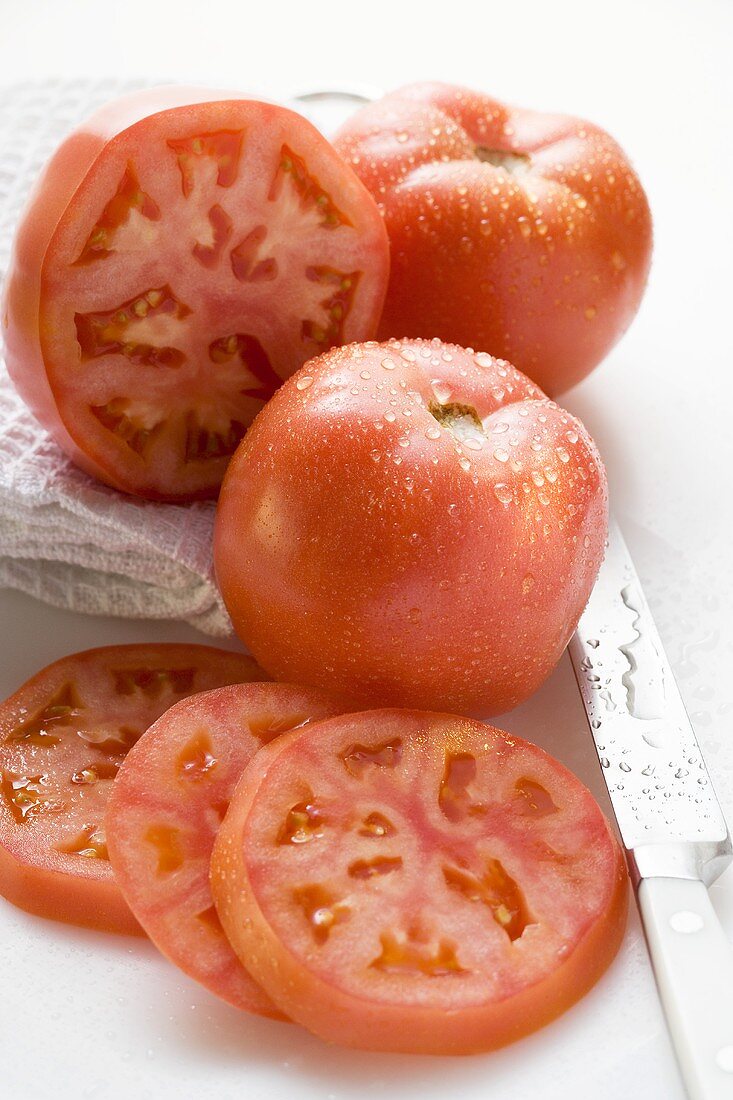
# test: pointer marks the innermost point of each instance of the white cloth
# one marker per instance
(64, 537)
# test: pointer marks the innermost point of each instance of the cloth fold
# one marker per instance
(65, 538)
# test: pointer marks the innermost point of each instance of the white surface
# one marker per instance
(85, 1015)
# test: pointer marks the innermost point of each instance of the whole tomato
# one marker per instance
(524, 233)
(414, 524)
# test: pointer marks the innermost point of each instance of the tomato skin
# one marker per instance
(326, 997)
(177, 780)
(359, 542)
(31, 333)
(35, 874)
(544, 264)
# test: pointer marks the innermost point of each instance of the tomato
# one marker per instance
(164, 810)
(63, 736)
(409, 881)
(414, 522)
(180, 256)
(524, 233)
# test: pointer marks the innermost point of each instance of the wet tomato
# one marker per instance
(524, 233)
(165, 808)
(63, 737)
(414, 522)
(180, 256)
(408, 881)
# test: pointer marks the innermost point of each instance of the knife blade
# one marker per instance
(671, 824)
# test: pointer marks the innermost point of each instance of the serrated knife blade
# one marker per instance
(656, 776)
(671, 823)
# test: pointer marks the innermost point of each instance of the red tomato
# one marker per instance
(164, 811)
(407, 881)
(178, 258)
(63, 736)
(524, 233)
(415, 523)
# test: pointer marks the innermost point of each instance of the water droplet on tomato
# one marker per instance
(304, 382)
(503, 493)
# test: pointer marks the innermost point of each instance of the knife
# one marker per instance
(671, 824)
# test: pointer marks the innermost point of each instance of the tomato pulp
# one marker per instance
(63, 737)
(414, 522)
(180, 256)
(164, 810)
(524, 233)
(406, 881)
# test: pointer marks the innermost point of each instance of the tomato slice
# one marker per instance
(177, 261)
(63, 737)
(409, 881)
(164, 811)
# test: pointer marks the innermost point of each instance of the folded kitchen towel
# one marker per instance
(64, 537)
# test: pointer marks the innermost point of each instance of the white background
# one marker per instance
(83, 1015)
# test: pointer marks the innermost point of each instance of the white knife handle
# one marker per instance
(693, 965)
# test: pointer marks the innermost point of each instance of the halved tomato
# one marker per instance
(63, 736)
(166, 806)
(409, 881)
(180, 256)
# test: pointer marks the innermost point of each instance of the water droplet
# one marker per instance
(433, 432)
(304, 382)
(624, 766)
(593, 643)
(501, 455)
(388, 364)
(503, 493)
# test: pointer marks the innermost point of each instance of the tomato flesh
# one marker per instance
(164, 811)
(204, 252)
(409, 881)
(63, 737)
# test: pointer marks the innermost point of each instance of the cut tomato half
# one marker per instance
(408, 881)
(164, 811)
(63, 737)
(181, 256)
